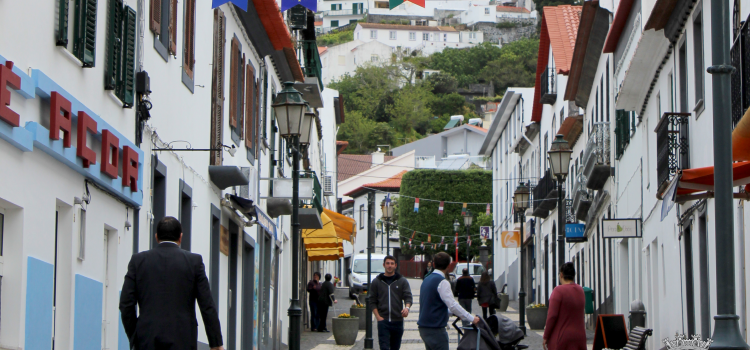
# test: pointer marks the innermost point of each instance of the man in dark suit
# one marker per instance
(165, 283)
(325, 301)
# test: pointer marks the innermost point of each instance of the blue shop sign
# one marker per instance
(266, 222)
(574, 233)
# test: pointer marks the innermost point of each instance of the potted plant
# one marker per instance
(336, 281)
(359, 310)
(504, 299)
(345, 329)
(536, 314)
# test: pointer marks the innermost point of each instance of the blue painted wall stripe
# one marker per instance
(39, 293)
(87, 317)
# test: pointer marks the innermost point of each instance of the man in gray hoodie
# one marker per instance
(390, 297)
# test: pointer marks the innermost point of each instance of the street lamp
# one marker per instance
(456, 226)
(467, 222)
(307, 125)
(290, 114)
(521, 203)
(387, 214)
(559, 162)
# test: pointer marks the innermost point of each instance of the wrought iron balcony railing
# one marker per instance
(317, 200)
(672, 147)
(581, 197)
(596, 156)
(570, 218)
(313, 66)
(544, 195)
(548, 86)
(741, 78)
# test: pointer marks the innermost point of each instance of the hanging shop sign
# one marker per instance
(119, 165)
(510, 239)
(621, 228)
(574, 233)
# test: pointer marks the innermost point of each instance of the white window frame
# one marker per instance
(392, 35)
(412, 36)
(486, 10)
(373, 34)
(374, 58)
(425, 36)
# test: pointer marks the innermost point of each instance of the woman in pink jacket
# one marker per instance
(565, 328)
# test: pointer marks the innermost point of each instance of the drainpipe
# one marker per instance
(726, 326)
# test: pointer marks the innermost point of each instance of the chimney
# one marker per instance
(378, 157)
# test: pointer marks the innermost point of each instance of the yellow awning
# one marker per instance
(345, 226)
(325, 237)
(322, 254)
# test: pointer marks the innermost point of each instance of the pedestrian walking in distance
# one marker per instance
(164, 283)
(427, 270)
(465, 288)
(486, 294)
(565, 328)
(313, 290)
(324, 302)
(435, 303)
(390, 297)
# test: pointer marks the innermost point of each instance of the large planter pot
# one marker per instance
(359, 312)
(345, 330)
(504, 300)
(537, 317)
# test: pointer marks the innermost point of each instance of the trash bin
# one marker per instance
(589, 306)
(637, 314)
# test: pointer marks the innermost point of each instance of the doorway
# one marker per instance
(110, 315)
(704, 288)
(248, 290)
(689, 277)
(232, 290)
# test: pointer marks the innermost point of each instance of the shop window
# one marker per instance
(163, 23)
(81, 27)
(119, 72)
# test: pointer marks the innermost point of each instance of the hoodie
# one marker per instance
(390, 299)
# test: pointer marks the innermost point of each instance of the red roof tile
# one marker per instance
(406, 27)
(559, 30)
(478, 128)
(501, 8)
(273, 22)
(318, 23)
(390, 184)
(322, 49)
(352, 164)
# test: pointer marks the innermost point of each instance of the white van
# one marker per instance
(358, 272)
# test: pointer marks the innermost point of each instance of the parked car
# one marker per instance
(475, 270)
(358, 272)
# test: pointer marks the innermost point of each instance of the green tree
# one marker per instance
(410, 111)
(442, 83)
(471, 186)
(335, 38)
(356, 130)
(514, 66)
(464, 64)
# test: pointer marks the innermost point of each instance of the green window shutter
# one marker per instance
(127, 80)
(62, 23)
(114, 45)
(84, 41)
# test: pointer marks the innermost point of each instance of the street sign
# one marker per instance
(621, 228)
(574, 233)
(510, 239)
(484, 231)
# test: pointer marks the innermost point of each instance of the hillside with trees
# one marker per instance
(389, 105)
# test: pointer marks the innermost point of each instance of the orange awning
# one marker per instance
(702, 179)
(326, 237)
(345, 226)
(741, 139)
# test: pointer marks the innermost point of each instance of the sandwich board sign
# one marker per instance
(621, 228)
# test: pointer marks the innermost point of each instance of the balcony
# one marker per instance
(312, 87)
(596, 157)
(317, 201)
(571, 129)
(672, 147)
(347, 12)
(548, 86)
(581, 198)
(313, 68)
(544, 195)
(740, 55)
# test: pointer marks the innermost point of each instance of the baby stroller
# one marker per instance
(476, 337)
(509, 335)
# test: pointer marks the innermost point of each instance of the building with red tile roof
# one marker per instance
(352, 164)
(392, 184)
(513, 9)
(559, 31)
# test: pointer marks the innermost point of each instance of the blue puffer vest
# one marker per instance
(433, 313)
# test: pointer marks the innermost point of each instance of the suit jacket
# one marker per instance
(326, 289)
(165, 282)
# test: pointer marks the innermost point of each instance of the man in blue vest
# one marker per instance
(435, 302)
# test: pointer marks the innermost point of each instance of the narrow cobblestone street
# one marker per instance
(411, 339)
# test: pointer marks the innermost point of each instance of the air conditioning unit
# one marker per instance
(327, 185)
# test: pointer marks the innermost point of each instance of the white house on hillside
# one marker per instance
(428, 39)
(343, 59)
